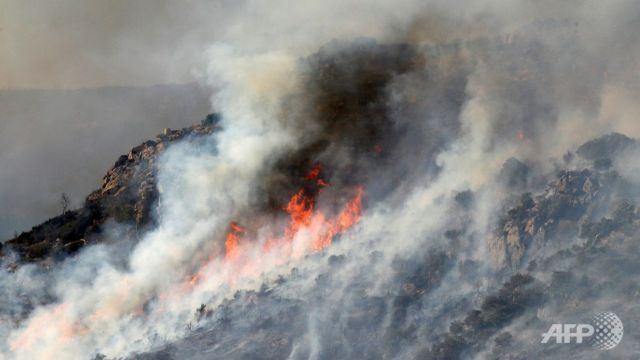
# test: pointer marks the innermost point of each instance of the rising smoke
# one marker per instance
(411, 114)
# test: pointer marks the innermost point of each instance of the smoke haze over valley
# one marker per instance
(62, 141)
(338, 180)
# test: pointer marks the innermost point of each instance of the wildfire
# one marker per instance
(316, 229)
(348, 217)
(53, 323)
(314, 173)
(307, 229)
(231, 244)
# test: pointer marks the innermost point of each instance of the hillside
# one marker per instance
(128, 196)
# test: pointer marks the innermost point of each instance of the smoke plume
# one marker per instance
(358, 173)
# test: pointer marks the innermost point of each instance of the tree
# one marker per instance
(64, 202)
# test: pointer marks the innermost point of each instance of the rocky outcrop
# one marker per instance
(557, 213)
(128, 195)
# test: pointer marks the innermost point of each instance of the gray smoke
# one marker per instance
(524, 80)
(63, 141)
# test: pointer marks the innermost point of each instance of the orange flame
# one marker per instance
(348, 217)
(304, 217)
(53, 322)
(308, 229)
(300, 209)
(231, 244)
(314, 173)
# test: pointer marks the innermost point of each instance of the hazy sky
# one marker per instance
(64, 141)
(77, 43)
(71, 44)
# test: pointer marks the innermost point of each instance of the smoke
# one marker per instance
(74, 44)
(63, 141)
(414, 116)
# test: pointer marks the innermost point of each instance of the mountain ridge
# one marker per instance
(128, 195)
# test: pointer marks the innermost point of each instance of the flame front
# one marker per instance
(231, 244)
(308, 228)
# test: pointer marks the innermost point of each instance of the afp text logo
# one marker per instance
(604, 332)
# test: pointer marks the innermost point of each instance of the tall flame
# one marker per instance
(231, 244)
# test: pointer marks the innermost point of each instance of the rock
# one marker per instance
(558, 211)
(515, 247)
(128, 195)
(74, 246)
(37, 250)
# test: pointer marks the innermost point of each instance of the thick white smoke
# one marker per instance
(509, 109)
(202, 188)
